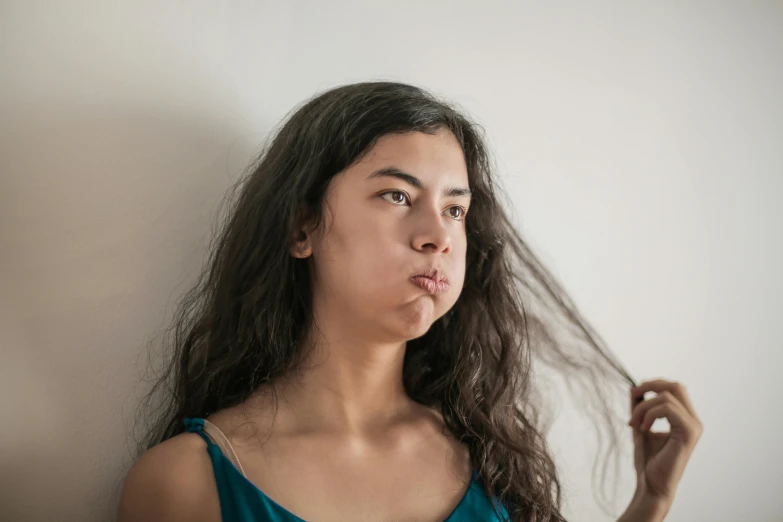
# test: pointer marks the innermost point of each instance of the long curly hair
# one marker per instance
(243, 323)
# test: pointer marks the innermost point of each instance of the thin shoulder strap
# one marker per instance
(222, 441)
(214, 438)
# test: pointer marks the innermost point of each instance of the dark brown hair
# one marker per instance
(242, 325)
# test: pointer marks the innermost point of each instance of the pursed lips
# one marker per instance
(433, 285)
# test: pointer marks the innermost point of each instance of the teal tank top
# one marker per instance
(243, 501)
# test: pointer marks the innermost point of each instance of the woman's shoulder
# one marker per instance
(173, 480)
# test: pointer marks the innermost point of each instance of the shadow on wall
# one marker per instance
(105, 214)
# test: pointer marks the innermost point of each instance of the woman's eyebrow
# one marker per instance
(394, 172)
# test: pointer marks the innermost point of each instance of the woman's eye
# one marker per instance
(395, 192)
(398, 197)
(461, 215)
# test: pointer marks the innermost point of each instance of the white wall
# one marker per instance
(641, 144)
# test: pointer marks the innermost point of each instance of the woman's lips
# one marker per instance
(430, 285)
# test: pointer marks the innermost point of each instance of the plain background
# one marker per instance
(641, 146)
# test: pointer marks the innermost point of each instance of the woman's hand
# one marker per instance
(660, 457)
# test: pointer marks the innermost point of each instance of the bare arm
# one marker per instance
(172, 482)
(648, 512)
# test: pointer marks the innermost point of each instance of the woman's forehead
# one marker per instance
(423, 160)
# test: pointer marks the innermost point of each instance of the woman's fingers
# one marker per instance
(660, 385)
(641, 419)
(671, 411)
(684, 426)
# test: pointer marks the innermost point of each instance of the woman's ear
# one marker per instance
(301, 247)
(301, 244)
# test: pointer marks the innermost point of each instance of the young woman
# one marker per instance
(360, 345)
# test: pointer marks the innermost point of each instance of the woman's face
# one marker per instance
(383, 229)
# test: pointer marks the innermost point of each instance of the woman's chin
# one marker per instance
(417, 319)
